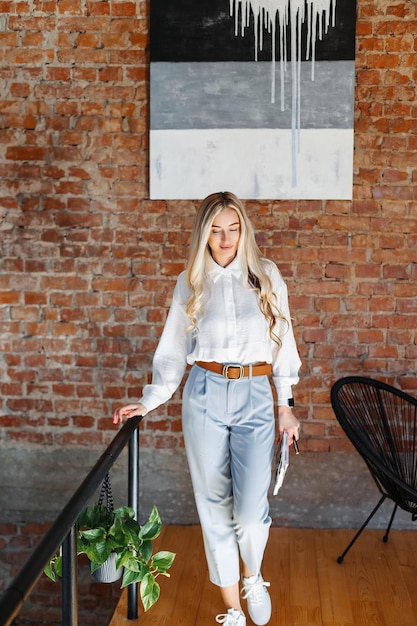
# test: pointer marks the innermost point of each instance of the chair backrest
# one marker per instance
(381, 422)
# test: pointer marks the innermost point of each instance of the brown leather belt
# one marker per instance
(235, 371)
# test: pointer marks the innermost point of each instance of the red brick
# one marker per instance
(9, 297)
(29, 437)
(79, 439)
(33, 39)
(25, 153)
(98, 7)
(125, 8)
(20, 90)
(83, 421)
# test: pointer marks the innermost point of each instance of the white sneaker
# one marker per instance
(231, 618)
(259, 602)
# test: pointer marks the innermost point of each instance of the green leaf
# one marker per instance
(54, 568)
(134, 564)
(93, 517)
(124, 513)
(122, 556)
(93, 534)
(131, 530)
(58, 565)
(153, 526)
(115, 543)
(98, 552)
(117, 527)
(49, 571)
(130, 577)
(162, 561)
(149, 591)
(146, 550)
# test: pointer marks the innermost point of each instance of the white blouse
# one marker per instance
(232, 330)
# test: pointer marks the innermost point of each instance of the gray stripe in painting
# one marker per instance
(238, 95)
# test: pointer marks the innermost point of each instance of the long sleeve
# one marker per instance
(286, 363)
(170, 358)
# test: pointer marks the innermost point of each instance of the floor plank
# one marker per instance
(376, 585)
(336, 608)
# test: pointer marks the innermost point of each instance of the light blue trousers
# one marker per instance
(229, 431)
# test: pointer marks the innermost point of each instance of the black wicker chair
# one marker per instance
(381, 423)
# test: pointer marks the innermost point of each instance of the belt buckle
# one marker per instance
(225, 372)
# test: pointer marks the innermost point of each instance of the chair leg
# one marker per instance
(366, 522)
(385, 537)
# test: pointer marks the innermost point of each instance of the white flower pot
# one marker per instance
(107, 573)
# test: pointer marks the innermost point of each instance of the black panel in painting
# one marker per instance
(204, 30)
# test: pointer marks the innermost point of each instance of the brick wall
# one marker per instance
(88, 262)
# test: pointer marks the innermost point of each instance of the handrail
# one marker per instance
(14, 596)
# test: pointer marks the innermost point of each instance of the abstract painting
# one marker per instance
(252, 96)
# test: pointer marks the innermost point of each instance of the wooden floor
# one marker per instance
(375, 585)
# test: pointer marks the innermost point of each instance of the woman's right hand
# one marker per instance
(128, 411)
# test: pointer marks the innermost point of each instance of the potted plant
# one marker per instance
(106, 535)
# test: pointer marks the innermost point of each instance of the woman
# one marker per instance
(229, 319)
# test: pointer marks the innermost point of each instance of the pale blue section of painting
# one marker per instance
(238, 95)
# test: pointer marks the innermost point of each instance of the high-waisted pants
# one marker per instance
(229, 431)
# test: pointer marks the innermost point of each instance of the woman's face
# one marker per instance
(224, 236)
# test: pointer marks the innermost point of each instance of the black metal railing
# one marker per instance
(63, 532)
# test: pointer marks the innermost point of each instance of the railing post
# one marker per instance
(69, 579)
(133, 489)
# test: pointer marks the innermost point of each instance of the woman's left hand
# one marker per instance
(288, 422)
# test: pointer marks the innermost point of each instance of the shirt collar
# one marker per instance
(216, 271)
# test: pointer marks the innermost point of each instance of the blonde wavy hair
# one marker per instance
(248, 254)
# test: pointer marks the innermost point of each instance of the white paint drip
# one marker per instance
(267, 14)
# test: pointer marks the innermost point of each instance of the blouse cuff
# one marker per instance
(283, 394)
